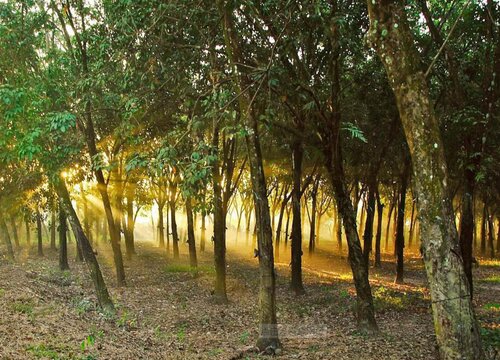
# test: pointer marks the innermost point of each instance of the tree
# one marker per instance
(456, 328)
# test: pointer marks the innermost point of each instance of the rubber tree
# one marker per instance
(268, 333)
(102, 293)
(457, 331)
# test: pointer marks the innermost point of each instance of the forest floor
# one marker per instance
(167, 311)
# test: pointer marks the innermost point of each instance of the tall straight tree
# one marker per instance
(268, 334)
(457, 331)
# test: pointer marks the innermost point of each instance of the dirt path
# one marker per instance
(166, 312)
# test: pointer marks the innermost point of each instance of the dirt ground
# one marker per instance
(167, 311)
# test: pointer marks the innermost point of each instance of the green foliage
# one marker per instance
(491, 337)
(42, 351)
(83, 306)
(493, 279)
(24, 307)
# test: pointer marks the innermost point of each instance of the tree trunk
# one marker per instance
(53, 228)
(412, 225)
(400, 227)
(286, 198)
(388, 227)
(103, 297)
(39, 233)
(268, 334)
(314, 210)
(457, 331)
(63, 241)
(296, 237)
(130, 223)
(467, 227)
(6, 238)
(370, 216)
(28, 232)
(161, 225)
(175, 234)
(203, 233)
(483, 230)
(193, 262)
(378, 236)
(219, 237)
(332, 149)
(491, 237)
(339, 232)
(13, 224)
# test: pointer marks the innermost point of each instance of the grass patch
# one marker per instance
(83, 306)
(492, 306)
(24, 307)
(491, 337)
(215, 352)
(2, 292)
(184, 268)
(493, 279)
(42, 351)
(386, 299)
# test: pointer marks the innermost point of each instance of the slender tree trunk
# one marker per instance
(130, 223)
(312, 226)
(457, 331)
(13, 225)
(175, 234)
(498, 238)
(370, 216)
(412, 225)
(6, 237)
(286, 198)
(287, 227)
(63, 241)
(39, 233)
(296, 237)
(203, 233)
(339, 232)
(161, 225)
(193, 262)
(28, 232)
(362, 218)
(491, 237)
(467, 227)
(400, 227)
(388, 227)
(219, 237)
(483, 230)
(103, 297)
(378, 236)
(332, 149)
(53, 228)
(268, 334)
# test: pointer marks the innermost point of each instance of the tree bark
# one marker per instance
(129, 230)
(219, 238)
(63, 241)
(103, 297)
(400, 227)
(370, 217)
(193, 262)
(13, 224)
(6, 237)
(175, 234)
(28, 232)
(457, 331)
(268, 334)
(467, 227)
(39, 233)
(296, 236)
(161, 225)
(378, 236)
